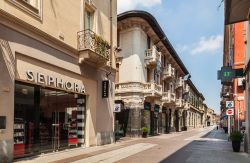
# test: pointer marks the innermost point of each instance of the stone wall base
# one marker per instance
(6, 151)
(105, 138)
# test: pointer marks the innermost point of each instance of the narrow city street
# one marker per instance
(127, 81)
(197, 145)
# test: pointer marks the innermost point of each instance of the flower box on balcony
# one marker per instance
(92, 48)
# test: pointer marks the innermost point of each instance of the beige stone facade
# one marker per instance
(152, 81)
(44, 38)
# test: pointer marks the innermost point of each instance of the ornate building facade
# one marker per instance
(152, 83)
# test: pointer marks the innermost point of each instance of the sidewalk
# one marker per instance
(124, 146)
(203, 145)
(211, 148)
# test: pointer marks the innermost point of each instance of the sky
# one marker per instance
(195, 29)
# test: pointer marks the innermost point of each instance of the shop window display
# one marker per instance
(45, 120)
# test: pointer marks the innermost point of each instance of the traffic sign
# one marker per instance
(117, 108)
(229, 104)
(230, 112)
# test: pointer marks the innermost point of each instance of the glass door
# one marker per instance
(59, 115)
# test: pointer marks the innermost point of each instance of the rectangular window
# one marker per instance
(164, 60)
(148, 75)
(32, 7)
(148, 42)
(88, 20)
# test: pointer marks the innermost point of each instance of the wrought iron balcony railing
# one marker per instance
(89, 40)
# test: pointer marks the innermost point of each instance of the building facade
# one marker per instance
(237, 43)
(150, 83)
(54, 59)
(196, 109)
(234, 55)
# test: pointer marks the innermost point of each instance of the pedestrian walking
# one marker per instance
(217, 127)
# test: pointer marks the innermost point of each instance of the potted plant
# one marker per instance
(236, 138)
(144, 132)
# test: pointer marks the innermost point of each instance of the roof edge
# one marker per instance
(157, 29)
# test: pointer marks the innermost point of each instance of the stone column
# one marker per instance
(172, 118)
(134, 122)
(179, 121)
(167, 121)
(185, 120)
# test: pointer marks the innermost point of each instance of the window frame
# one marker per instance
(90, 19)
(28, 8)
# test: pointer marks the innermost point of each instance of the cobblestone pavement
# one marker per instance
(203, 145)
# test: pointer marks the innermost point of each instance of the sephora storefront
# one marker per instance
(47, 118)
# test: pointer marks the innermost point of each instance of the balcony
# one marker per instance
(168, 97)
(92, 48)
(186, 88)
(152, 56)
(168, 72)
(186, 105)
(179, 103)
(152, 89)
(179, 83)
(135, 87)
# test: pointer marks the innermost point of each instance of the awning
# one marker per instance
(236, 11)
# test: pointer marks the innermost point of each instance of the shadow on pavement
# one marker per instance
(210, 148)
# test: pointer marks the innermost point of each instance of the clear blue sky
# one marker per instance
(195, 29)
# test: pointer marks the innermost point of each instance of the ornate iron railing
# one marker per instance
(88, 39)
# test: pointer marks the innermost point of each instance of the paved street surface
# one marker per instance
(205, 145)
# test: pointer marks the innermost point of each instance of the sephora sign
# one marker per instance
(49, 80)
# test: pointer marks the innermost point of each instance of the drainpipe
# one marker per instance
(111, 38)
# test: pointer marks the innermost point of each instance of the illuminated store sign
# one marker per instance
(48, 80)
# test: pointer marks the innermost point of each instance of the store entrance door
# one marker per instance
(59, 131)
(58, 115)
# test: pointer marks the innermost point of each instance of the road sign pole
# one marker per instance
(239, 117)
(228, 125)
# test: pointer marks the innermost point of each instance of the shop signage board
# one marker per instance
(147, 106)
(227, 74)
(229, 104)
(105, 89)
(49, 80)
(156, 108)
(117, 108)
(230, 111)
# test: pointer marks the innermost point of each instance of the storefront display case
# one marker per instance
(72, 133)
(19, 137)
